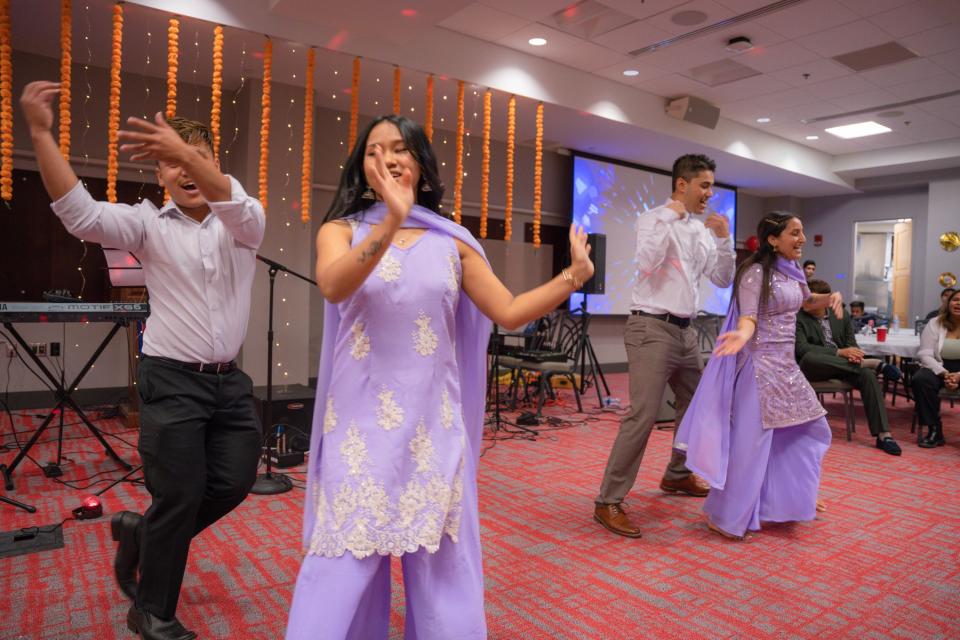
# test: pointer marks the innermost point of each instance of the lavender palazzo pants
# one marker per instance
(349, 599)
(773, 474)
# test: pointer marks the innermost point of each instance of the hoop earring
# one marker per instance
(425, 187)
(368, 194)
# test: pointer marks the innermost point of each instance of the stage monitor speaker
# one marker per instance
(694, 110)
(597, 285)
(292, 406)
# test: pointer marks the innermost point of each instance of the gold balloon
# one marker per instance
(950, 241)
(947, 279)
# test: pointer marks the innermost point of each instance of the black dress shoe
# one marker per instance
(934, 438)
(889, 445)
(890, 371)
(124, 526)
(150, 627)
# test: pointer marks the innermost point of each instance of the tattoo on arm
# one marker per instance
(370, 251)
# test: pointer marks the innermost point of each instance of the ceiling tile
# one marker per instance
(529, 9)
(866, 100)
(915, 69)
(563, 48)
(675, 85)
(747, 88)
(770, 104)
(943, 106)
(714, 12)
(845, 38)
(631, 37)
(931, 86)
(481, 21)
(845, 86)
(949, 61)
(646, 72)
(802, 112)
(818, 70)
(743, 6)
(917, 17)
(647, 8)
(775, 57)
(867, 8)
(808, 17)
(933, 41)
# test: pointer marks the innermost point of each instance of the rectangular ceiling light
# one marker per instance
(858, 130)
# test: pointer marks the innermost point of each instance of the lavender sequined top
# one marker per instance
(786, 398)
(390, 476)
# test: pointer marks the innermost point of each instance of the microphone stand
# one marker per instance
(270, 483)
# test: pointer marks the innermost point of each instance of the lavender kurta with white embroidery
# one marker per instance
(390, 474)
(786, 398)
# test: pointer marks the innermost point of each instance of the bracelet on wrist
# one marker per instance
(571, 279)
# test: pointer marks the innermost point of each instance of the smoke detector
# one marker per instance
(739, 44)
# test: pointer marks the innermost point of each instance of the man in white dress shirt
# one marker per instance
(675, 249)
(200, 438)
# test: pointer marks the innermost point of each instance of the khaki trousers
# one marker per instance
(659, 353)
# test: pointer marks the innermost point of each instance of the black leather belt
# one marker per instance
(683, 323)
(199, 367)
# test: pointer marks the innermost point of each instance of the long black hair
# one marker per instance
(353, 183)
(772, 224)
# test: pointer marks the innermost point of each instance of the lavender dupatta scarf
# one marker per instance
(473, 333)
(704, 433)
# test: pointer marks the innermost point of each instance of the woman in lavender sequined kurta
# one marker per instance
(399, 413)
(755, 429)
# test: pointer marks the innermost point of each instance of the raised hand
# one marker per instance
(153, 141)
(718, 224)
(395, 190)
(580, 263)
(37, 104)
(836, 303)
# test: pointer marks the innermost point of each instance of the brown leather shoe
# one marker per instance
(692, 485)
(614, 518)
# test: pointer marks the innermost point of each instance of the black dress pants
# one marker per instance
(200, 441)
(926, 387)
(817, 367)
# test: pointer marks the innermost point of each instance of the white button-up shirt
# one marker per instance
(198, 274)
(673, 254)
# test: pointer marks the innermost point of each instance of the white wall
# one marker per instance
(943, 214)
(834, 218)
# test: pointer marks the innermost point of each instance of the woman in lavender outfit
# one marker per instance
(396, 432)
(755, 429)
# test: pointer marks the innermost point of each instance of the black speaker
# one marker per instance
(292, 407)
(598, 253)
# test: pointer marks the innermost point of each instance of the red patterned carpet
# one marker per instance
(882, 562)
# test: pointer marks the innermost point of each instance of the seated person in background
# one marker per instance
(939, 356)
(859, 317)
(826, 349)
(809, 268)
(944, 296)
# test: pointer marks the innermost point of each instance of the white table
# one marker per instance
(899, 343)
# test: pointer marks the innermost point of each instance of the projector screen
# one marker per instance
(607, 198)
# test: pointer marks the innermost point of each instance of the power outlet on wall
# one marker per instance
(39, 348)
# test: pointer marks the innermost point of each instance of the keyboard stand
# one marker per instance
(64, 399)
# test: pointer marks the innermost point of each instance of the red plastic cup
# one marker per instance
(881, 334)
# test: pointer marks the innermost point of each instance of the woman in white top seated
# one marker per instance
(940, 359)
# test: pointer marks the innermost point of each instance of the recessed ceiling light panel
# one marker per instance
(858, 130)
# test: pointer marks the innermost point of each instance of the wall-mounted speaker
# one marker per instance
(598, 253)
(695, 110)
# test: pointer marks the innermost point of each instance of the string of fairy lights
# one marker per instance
(394, 88)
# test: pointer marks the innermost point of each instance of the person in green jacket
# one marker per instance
(826, 349)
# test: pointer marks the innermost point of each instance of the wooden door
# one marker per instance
(902, 242)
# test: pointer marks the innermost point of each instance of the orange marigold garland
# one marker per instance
(354, 104)
(306, 175)
(458, 180)
(216, 88)
(511, 144)
(66, 59)
(428, 110)
(173, 54)
(265, 121)
(538, 177)
(6, 104)
(485, 165)
(396, 90)
(113, 115)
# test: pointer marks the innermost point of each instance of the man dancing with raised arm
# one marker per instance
(199, 435)
(674, 250)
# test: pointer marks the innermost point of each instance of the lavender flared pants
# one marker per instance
(773, 475)
(349, 599)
